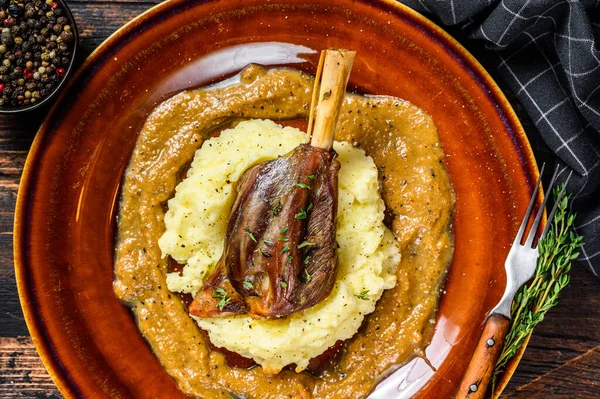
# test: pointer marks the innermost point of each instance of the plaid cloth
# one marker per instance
(547, 54)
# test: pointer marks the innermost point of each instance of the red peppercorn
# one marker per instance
(29, 76)
(6, 22)
(54, 5)
(60, 71)
(27, 71)
(1, 87)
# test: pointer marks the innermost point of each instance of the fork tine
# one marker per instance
(540, 212)
(521, 231)
(558, 199)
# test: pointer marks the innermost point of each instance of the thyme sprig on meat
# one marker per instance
(221, 294)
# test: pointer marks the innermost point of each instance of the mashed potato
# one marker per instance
(195, 228)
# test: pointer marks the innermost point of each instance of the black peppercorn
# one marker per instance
(6, 37)
(67, 36)
(15, 10)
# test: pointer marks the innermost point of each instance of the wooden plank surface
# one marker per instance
(563, 359)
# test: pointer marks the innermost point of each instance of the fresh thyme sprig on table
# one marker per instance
(556, 252)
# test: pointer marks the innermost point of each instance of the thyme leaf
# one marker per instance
(251, 235)
(307, 276)
(277, 209)
(301, 215)
(363, 295)
(221, 294)
(305, 244)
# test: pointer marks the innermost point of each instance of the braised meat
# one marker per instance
(280, 249)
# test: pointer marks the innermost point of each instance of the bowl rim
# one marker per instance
(36, 327)
(68, 72)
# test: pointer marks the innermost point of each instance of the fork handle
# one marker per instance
(479, 371)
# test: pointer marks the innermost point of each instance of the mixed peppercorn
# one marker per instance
(36, 47)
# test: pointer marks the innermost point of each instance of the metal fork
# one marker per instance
(520, 267)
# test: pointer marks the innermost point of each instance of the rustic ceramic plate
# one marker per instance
(65, 218)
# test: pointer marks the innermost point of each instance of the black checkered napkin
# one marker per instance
(548, 55)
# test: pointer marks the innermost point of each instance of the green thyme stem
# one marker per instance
(557, 250)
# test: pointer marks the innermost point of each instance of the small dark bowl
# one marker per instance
(68, 70)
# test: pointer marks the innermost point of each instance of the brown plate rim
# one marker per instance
(28, 298)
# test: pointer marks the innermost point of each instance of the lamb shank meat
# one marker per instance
(280, 249)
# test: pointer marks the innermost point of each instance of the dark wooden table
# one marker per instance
(563, 358)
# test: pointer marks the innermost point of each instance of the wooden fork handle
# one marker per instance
(479, 371)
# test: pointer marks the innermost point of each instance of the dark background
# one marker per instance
(563, 357)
